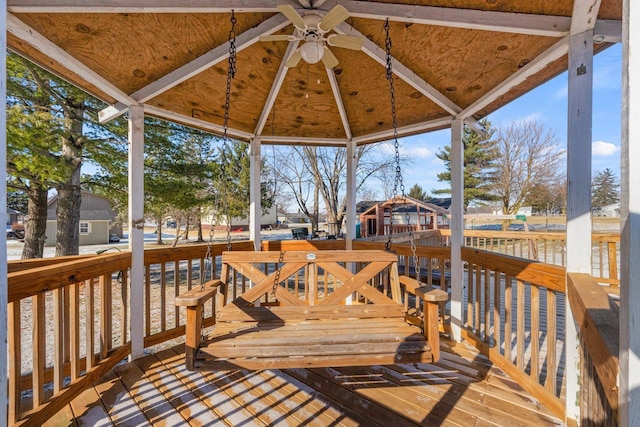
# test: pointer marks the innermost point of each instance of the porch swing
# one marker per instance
(321, 313)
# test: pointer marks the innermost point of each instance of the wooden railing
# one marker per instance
(514, 314)
(598, 322)
(65, 329)
(68, 319)
(547, 247)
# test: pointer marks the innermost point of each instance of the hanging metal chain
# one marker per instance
(398, 182)
(276, 278)
(231, 72)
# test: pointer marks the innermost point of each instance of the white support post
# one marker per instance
(629, 380)
(352, 163)
(255, 208)
(3, 212)
(578, 195)
(136, 228)
(457, 226)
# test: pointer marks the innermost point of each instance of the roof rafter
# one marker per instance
(402, 71)
(521, 23)
(196, 123)
(51, 50)
(275, 87)
(557, 51)
(338, 97)
(584, 16)
(198, 65)
(404, 130)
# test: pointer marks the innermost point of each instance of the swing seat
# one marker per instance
(323, 314)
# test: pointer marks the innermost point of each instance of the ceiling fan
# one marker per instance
(312, 28)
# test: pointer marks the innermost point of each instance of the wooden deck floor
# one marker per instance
(462, 389)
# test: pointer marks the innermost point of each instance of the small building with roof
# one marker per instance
(400, 215)
(97, 220)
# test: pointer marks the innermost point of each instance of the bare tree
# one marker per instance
(528, 156)
(311, 173)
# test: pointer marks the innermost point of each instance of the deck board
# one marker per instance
(463, 389)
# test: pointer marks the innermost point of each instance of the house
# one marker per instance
(611, 211)
(13, 216)
(268, 218)
(97, 220)
(406, 214)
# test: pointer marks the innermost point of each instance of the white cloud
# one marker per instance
(416, 152)
(604, 149)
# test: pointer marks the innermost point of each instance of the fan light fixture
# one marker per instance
(312, 52)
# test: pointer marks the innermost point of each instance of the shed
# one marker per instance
(404, 213)
(97, 220)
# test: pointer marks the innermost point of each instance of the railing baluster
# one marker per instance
(90, 324)
(163, 297)
(74, 300)
(470, 298)
(552, 368)
(520, 313)
(487, 305)
(106, 313)
(147, 300)
(58, 340)
(124, 311)
(15, 358)
(508, 317)
(497, 323)
(478, 299)
(38, 346)
(535, 332)
(176, 290)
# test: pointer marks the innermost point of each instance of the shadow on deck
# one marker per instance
(463, 389)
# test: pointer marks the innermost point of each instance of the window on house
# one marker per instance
(85, 228)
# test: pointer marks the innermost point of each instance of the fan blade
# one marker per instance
(293, 16)
(277, 38)
(329, 59)
(295, 58)
(347, 42)
(334, 17)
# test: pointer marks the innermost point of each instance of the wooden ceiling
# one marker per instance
(451, 58)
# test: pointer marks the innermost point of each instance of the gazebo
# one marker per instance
(453, 62)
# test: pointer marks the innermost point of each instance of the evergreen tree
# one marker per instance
(605, 189)
(479, 161)
(418, 193)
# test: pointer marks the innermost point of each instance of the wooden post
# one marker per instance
(629, 397)
(578, 195)
(255, 209)
(3, 211)
(136, 228)
(352, 162)
(457, 227)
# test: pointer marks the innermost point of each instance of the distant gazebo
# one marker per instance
(391, 216)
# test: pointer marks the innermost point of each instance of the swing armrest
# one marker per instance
(430, 319)
(196, 296)
(194, 300)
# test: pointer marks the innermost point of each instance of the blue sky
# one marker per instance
(546, 104)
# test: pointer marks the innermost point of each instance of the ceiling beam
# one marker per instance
(294, 140)
(275, 87)
(584, 16)
(51, 50)
(145, 6)
(196, 66)
(196, 123)
(557, 51)
(518, 23)
(404, 130)
(400, 70)
(607, 31)
(338, 97)
(521, 23)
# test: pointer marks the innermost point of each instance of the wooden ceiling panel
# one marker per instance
(461, 64)
(365, 93)
(133, 50)
(26, 50)
(305, 106)
(541, 7)
(203, 96)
